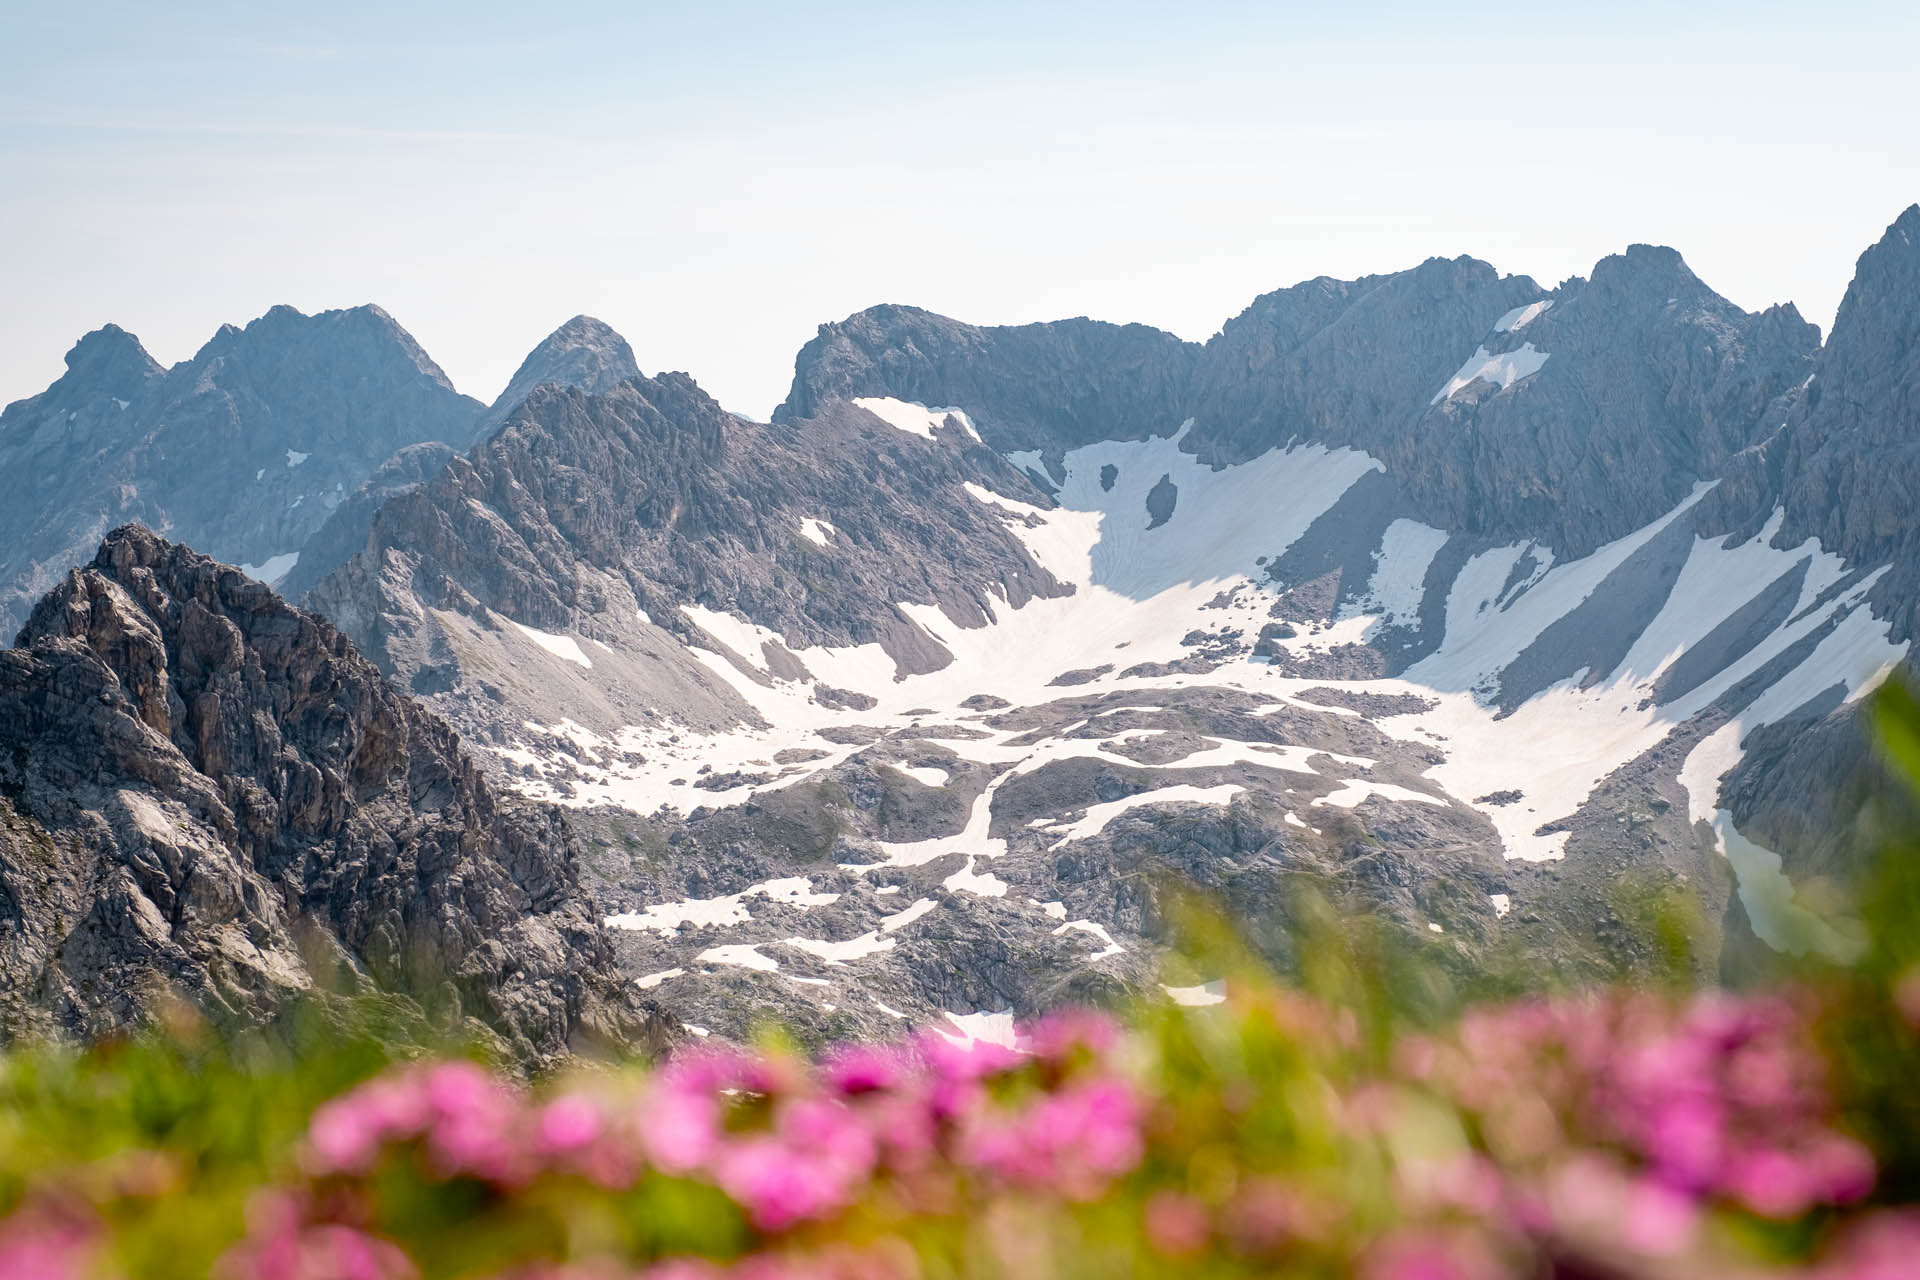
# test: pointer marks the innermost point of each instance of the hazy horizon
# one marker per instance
(717, 184)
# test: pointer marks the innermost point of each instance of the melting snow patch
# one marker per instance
(745, 954)
(925, 775)
(816, 531)
(1098, 816)
(1206, 993)
(652, 980)
(559, 646)
(728, 909)
(983, 883)
(1520, 317)
(1097, 930)
(1433, 927)
(1501, 903)
(1056, 910)
(838, 953)
(274, 570)
(887, 1009)
(1399, 581)
(986, 1028)
(1354, 790)
(914, 419)
(295, 458)
(1502, 370)
(900, 919)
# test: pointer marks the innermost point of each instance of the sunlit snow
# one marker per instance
(1502, 370)
(559, 646)
(914, 419)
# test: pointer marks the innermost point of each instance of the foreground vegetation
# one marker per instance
(1345, 1124)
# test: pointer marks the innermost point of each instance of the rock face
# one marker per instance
(1043, 387)
(242, 451)
(595, 512)
(1845, 462)
(1842, 466)
(583, 352)
(1571, 423)
(205, 789)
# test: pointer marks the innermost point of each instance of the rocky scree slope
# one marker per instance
(205, 790)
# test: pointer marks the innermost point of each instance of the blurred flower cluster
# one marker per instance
(1614, 1134)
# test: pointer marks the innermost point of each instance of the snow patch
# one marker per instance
(1098, 816)
(1502, 370)
(295, 458)
(273, 570)
(1520, 317)
(914, 419)
(728, 909)
(559, 646)
(1355, 790)
(1097, 930)
(816, 531)
(982, 1028)
(1399, 577)
(744, 954)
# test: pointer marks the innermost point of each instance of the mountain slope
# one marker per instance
(241, 451)
(207, 790)
(1418, 586)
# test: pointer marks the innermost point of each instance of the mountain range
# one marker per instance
(1489, 608)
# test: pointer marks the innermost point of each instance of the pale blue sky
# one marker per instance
(717, 181)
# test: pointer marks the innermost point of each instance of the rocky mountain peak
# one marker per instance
(364, 335)
(584, 352)
(1885, 293)
(207, 789)
(1846, 461)
(243, 450)
(111, 361)
(1034, 386)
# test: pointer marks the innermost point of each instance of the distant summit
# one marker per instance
(242, 450)
(583, 352)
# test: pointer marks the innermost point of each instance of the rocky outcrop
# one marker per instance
(1042, 387)
(205, 790)
(242, 451)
